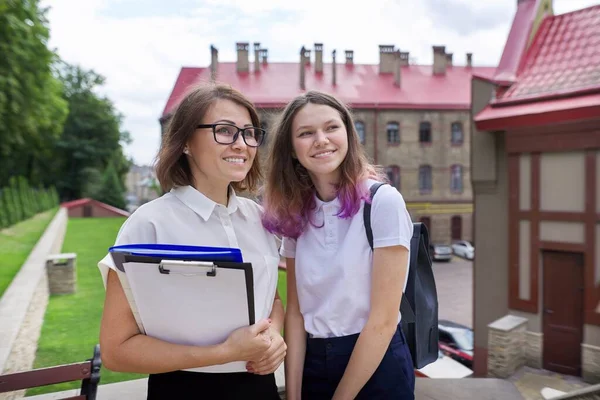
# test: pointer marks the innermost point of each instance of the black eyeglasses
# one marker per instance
(228, 134)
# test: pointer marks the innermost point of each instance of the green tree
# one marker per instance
(3, 210)
(32, 110)
(112, 191)
(92, 134)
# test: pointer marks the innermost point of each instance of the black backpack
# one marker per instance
(419, 306)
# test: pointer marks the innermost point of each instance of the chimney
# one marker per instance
(469, 60)
(256, 57)
(242, 57)
(397, 67)
(302, 69)
(214, 62)
(264, 54)
(307, 56)
(318, 57)
(333, 70)
(349, 57)
(439, 60)
(449, 59)
(404, 57)
(386, 59)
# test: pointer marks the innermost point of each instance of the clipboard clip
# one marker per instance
(176, 263)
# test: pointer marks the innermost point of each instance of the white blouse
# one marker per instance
(184, 216)
(334, 261)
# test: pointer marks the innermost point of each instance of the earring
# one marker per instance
(186, 151)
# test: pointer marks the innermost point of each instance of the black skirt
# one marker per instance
(183, 385)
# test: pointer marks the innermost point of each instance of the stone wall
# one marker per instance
(533, 349)
(506, 341)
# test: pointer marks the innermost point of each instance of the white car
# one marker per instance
(444, 368)
(463, 248)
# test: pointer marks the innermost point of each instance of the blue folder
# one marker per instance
(178, 252)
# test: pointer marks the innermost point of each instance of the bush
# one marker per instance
(19, 201)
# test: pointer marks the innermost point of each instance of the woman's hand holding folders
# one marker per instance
(272, 358)
(250, 342)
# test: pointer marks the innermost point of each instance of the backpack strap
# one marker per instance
(408, 315)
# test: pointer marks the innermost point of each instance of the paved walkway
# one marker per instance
(454, 283)
(531, 381)
(17, 298)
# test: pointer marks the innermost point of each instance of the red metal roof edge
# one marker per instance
(538, 39)
(550, 96)
(86, 200)
(111, 208)
(547, 118)
(492, 80)
(516, 43)
(75, 203)
(582, 107)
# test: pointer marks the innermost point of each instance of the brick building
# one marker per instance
(413, 119)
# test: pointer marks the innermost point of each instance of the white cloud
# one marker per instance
(140, 49)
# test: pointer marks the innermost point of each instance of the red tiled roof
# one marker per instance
(359, 85)
(564, 57)
(560, 75)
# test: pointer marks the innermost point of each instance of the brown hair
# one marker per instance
(172, 166)
(289, 190)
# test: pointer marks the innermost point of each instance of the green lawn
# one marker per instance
(17, 242)
(281, 287)
(72, 322)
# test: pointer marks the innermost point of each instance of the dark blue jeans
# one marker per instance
(326, 361)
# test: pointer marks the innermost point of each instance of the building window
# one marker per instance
(393, 133)
(360, 130)
(457, 133)
(456, 179)
(425, 132)
(393, 175)
(425, 184)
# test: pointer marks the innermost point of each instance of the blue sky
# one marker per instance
(140, 45)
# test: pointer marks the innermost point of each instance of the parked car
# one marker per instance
(456, 341)
(463, 248)
(444, 368)
(440, 252)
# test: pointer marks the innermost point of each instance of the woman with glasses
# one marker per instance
(208, 153)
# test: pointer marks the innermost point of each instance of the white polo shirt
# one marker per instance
(334, 261)
(184, 216)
